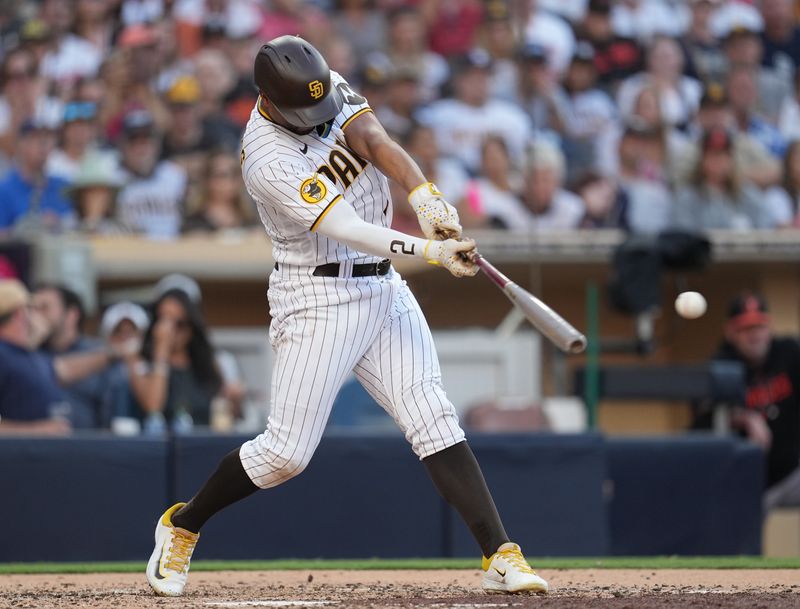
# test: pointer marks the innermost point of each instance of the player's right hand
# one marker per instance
(452, 255)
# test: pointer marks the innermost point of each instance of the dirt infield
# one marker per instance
(618, 589)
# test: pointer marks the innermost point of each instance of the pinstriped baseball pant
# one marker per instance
(322, 329)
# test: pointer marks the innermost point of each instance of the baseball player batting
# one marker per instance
(315, 160)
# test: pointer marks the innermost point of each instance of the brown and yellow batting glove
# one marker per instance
(437, 218)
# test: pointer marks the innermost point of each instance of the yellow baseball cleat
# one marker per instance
(506, 571)
(168, 567)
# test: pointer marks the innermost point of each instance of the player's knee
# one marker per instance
(438, 432)
(281, 470)
(294, 465)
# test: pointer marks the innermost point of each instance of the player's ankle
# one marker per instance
(180, 520)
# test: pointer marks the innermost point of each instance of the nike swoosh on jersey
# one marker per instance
(304, 149)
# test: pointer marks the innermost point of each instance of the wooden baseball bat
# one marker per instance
(543, 318)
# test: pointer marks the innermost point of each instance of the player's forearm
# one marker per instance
(369, 139)
(397, 164)
(342, 224)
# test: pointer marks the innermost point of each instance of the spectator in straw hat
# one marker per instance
(94, 193)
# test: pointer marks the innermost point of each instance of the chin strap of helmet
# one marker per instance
(324, 129)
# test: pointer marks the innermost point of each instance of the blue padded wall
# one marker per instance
(686, 495)
(93, 498)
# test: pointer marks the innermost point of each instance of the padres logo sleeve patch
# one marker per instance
(313, 190)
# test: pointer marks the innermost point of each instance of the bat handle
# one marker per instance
(489, 270)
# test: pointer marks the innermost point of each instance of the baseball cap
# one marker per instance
(138, 122)
(79, 111)
(748, 310)
(376, 70)
(476, 58)
(13, 295)
(121, 311)
(714, 94)
(534, 52)
(185, 90)
(497, 10)
(404, 73)
(716, 140)
(735, 19)
(34, 30)
(33, 125)
(584, 52)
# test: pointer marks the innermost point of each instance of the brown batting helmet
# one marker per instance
(296, 79)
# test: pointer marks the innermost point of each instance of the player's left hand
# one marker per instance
(437, 218)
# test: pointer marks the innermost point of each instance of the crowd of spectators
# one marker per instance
(124, 116)
(150, 368)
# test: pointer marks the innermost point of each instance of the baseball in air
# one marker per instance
(690, 305)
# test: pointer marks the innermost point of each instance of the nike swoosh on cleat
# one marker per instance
(304, 149)
(157, 572)
(501, 573)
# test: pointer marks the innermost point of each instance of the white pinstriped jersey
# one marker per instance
(294, 179)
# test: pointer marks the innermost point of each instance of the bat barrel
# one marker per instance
(543, 318)
(577, 345)
(547, 321)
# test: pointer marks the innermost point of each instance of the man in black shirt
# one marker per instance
(771, 413)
